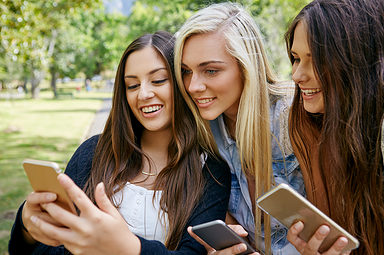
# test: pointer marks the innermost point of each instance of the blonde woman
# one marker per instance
(223, 74)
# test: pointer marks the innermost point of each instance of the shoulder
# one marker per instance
(279, 117)
(88, 145)
(80, 164)
(281, 97)
(218, 170)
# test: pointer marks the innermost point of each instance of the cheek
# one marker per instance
(294, 68)
(187, 81)
(130, 100)
(234, 84)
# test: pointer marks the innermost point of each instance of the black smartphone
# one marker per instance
(219, 236)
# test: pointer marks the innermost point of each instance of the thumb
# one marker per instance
(103, 201)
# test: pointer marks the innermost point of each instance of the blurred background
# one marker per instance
(57, 64)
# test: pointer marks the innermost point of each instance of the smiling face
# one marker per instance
(149, 89)
(211, 75)
(303, 73)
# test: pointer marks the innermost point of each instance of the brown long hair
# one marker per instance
(346, 40)
(118, 156)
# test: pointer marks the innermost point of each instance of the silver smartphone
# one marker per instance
(219, 236)
(43, 177)
(288, 206)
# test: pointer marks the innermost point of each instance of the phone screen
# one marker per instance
(219, 236)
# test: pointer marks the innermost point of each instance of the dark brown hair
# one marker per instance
(118, 156)
(346, 40)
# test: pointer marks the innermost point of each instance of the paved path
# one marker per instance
(99, 120)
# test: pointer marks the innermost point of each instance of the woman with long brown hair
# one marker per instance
(147, 174)
(337, 52)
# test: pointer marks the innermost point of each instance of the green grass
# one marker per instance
(44, 129)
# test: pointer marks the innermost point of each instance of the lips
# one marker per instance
(151, 109)
(204, 101)
(310, 92)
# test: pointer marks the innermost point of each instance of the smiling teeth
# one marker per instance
(151, 109)
(309, 92)
(204, 101)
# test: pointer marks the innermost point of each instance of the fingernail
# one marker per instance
(50, 196)
(34, 219)
(298, 225)
(324, 230)
(342, 241)
(241, 247)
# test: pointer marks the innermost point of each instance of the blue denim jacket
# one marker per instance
(285, 169)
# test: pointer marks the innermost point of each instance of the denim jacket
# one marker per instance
(285, 169)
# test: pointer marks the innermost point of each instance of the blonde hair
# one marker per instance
(253, 135)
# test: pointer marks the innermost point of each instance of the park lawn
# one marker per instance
(44, 129)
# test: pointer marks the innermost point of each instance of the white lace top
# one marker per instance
(143, 217)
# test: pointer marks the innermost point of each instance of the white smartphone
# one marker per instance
(219, 236)
(288, 206)
(43, 178)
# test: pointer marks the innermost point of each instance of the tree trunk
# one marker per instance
(25, 85)
(53, 81)
(35, 81)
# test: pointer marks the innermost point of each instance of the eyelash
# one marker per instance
(185, 71)
(156, 82)
(159, 81)
(130, 87)
(211, 72)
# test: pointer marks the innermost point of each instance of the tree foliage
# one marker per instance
(272, 16)
(71, 37)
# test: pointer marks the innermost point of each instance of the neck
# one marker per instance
(155, 145)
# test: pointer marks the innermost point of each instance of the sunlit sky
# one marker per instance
(122, 6)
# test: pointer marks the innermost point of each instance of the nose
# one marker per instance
(299, 74)
(145, 91)
(196, 84)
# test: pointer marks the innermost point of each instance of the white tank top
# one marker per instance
(143, 217)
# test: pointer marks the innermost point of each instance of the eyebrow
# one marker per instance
(151, 72)
(207, 63)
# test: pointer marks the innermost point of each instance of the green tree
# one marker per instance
(272, 16)
(101, 42)
(29, 30)
(91, 42)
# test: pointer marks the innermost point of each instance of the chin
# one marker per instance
(209, 116)
(314, 108)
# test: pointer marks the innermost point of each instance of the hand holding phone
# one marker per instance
(288, 206)
(219, 236)
(43, 178)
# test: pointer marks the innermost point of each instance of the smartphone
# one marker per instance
(288, 206)
(219, 236)
(43, 178)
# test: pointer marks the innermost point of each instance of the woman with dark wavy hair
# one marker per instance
(147, 174)
(337, 52)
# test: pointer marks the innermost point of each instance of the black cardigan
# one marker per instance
(213, 205)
